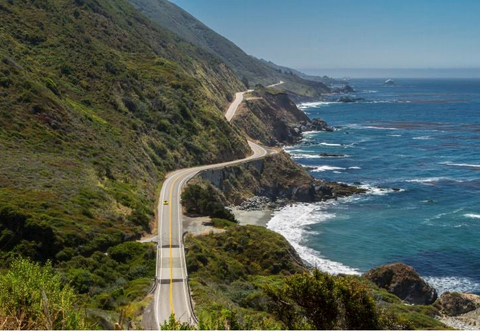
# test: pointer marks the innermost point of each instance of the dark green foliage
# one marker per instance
(97, 104)
(28, 236)
(222, 223)
(227, 272)
(205, 201)
(319, 301)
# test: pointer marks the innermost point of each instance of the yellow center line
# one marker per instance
(170, 239)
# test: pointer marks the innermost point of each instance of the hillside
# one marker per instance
(97, 103)
(249, 68)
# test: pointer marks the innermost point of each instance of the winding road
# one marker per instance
(172, 293)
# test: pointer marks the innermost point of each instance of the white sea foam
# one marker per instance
(293, 221)
(476, 216)
(394, 135)
(305, 156)
(323, 168)
(354, 168)
(427, 180)
(374, 190)
(453, 284)
(463, 165)
(358, 126)
(423, 138)
(307, 105)
(378, 128)
(330, 144)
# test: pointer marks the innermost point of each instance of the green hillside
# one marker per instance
(248, 67)
(97, 103)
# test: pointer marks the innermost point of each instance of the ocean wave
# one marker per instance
(317, 104)
(334, 145)
(305, 156)
(354, 168)
(453, 284)
(330, 144)
(373, 127)
(375, 190)
(292, 223)
(323, 168)
(423, 138)
(428, 180)
(476, 216)
(462, 165)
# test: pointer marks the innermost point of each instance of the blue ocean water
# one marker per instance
(421, 137)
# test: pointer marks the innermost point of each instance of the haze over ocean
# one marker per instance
(421, 137)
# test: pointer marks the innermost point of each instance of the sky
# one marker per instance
(335, 34)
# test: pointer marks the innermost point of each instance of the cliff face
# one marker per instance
(276, 177)
(271, 117)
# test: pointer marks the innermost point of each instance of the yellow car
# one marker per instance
(165, 202)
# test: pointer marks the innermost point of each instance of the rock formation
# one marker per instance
(403, 281)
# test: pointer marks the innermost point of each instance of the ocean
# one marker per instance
(416, 148)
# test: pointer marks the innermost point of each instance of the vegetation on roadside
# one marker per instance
(35, 297)
(97, 103)
(204, 200)
(249, 277)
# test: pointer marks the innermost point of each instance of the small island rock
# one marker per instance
(403, 281)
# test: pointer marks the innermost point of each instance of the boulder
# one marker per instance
(454, 304)
(403, 281)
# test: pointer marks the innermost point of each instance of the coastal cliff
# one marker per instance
(276, 177)
(272, 118)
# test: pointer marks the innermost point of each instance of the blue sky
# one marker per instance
(314, 34)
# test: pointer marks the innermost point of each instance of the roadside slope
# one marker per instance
(97, 104)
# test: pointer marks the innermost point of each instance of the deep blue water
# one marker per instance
(420, 136)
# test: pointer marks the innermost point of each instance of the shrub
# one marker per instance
(33, 297)
(321, 301)
(205, 202)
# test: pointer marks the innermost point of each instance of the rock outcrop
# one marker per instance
(277, 177)
(403, 281)
(273, 118)
(454, 304)
(346, 99)
(317, 124)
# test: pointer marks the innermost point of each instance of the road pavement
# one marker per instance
(172, 293)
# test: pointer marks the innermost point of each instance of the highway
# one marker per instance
(172, 293)
(238, 100)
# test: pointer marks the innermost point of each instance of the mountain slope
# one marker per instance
(97, 103)
(248, 67)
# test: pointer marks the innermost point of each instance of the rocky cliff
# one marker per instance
(276, 177)
(272, 118)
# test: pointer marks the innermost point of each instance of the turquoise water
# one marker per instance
(422, 137)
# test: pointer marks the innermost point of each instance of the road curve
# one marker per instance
(238, 100)
(172, 293)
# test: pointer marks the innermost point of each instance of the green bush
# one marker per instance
(206, 202)
(34, 297)
(222, 223)
(320, 301)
